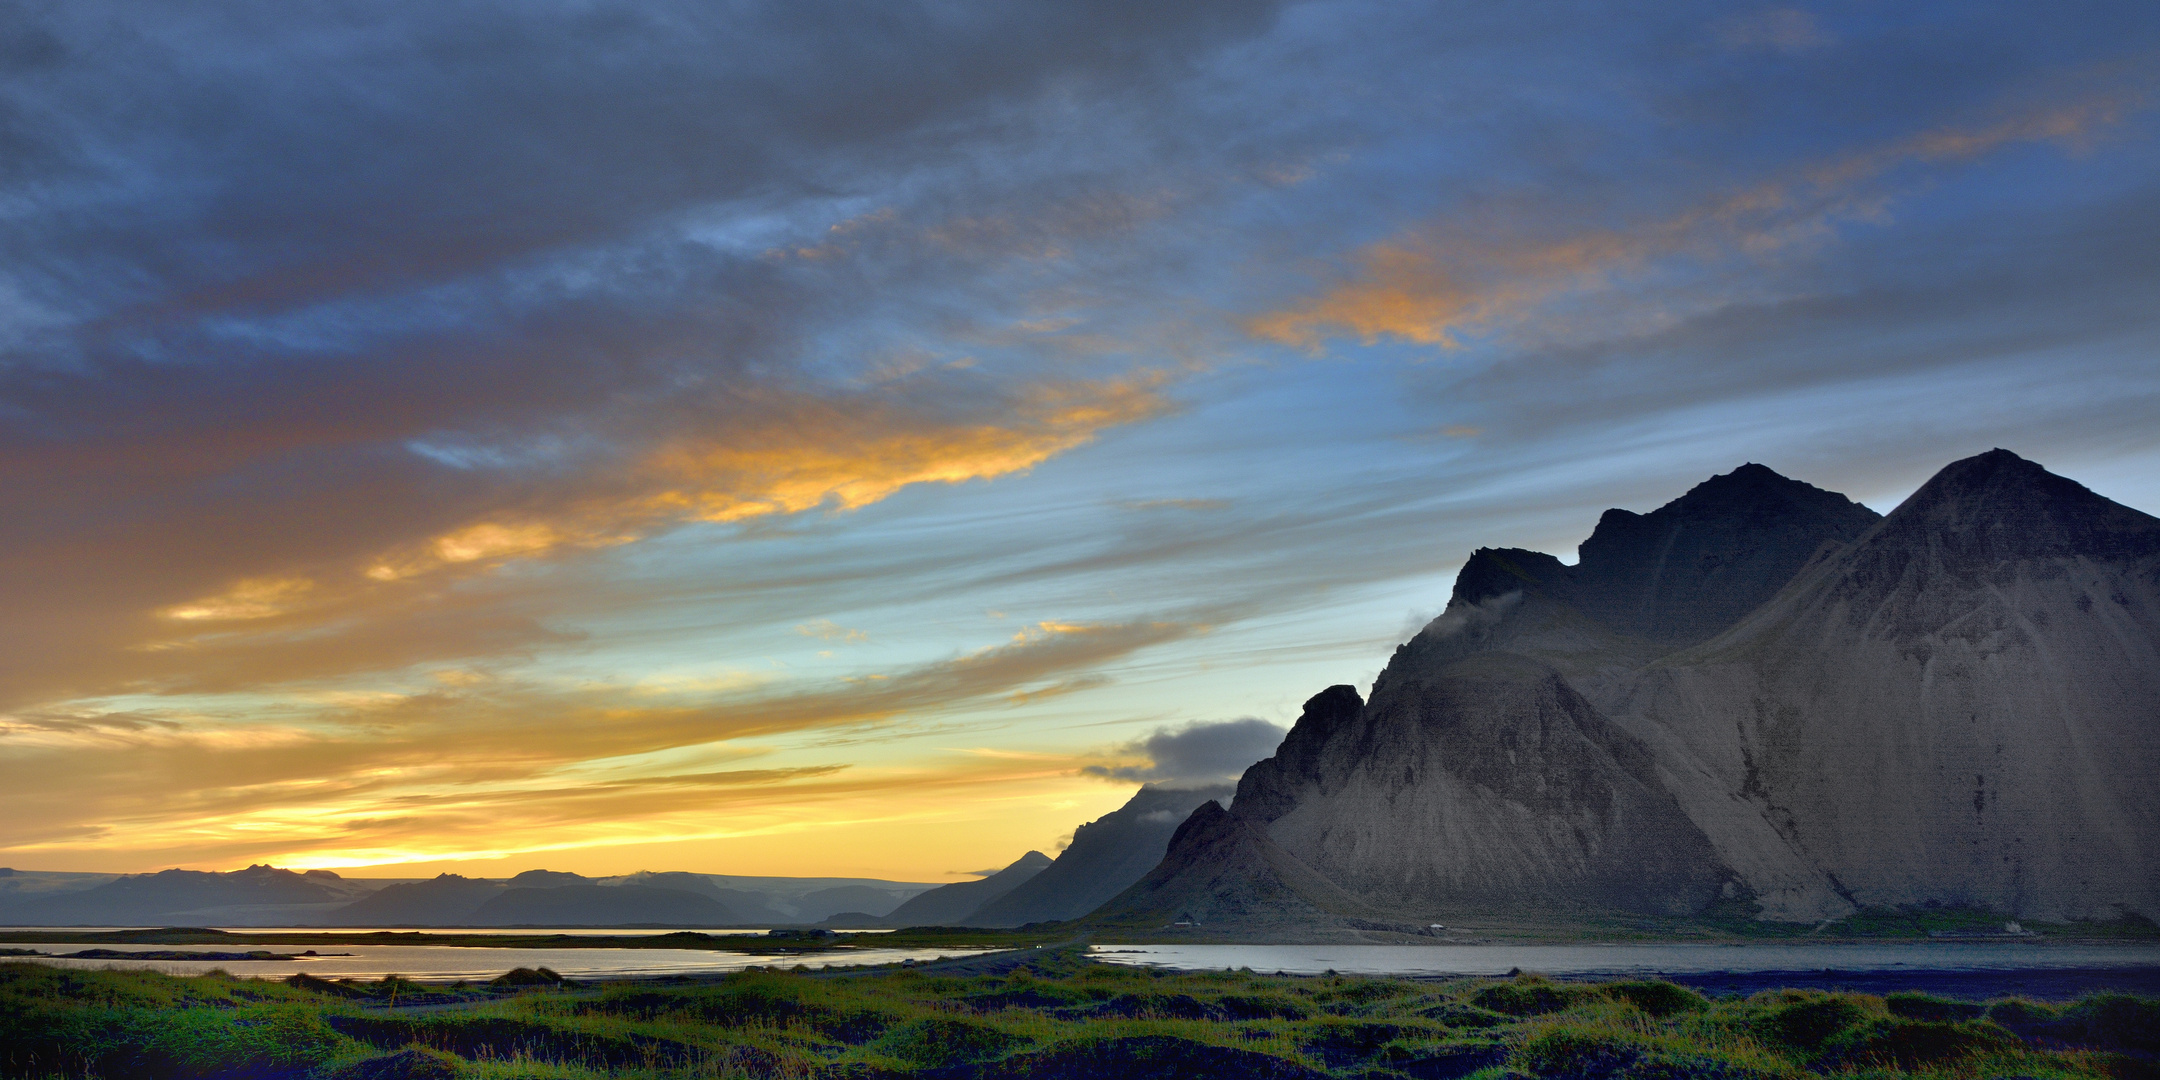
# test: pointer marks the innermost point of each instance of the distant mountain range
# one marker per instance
(267, 896)
(1104, 858)
(1760, 699)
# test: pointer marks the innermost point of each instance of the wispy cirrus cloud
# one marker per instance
(1438, 283)
(333, 779)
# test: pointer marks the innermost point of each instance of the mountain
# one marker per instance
(852, 899)
(1106, 856)
(445, 900)
(807, 900)
(950, 905)
(1960, 707)
(588, 903)
(256, 896)
(267, 896)
(550, 898)
(753, 908)
(1222, 869)
(1761, 696)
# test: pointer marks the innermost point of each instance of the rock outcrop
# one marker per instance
(1761, 694)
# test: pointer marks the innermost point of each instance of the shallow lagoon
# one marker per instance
(446, 963)
(1643, 959)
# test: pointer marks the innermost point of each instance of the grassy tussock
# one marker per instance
(1064, 1018)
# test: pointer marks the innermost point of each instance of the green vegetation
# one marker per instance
(1058, 1015)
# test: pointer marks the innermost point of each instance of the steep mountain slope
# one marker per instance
(1962, 707)
(1223, 869)
(950, 905)
(1760, 692)
(1487, 781)
(1106, 856)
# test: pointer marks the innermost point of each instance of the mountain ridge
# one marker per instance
(1760, 694)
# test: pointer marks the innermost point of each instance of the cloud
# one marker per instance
(521, 307)
(828, 630)
(1197, 754)
(423, 776)
(1460, 618)
(1788, 30)
(789, 454)
(1439, 284)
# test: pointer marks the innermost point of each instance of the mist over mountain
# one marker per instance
(1760, 697)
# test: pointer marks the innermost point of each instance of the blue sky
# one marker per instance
(829, 439)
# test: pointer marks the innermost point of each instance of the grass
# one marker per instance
(1058, 1016)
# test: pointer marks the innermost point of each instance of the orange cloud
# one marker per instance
(1431, 287)
(784, 454)
(253, 598)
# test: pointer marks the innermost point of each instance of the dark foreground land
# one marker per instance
(1047, 1014)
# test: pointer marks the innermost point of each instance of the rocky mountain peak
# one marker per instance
(1492, 572)
(1998, 507)
(1686, 570)
(1265, 789)
(1736, 511)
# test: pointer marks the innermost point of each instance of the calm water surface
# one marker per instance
(1629, 959)
(445, 963)
(506, 931)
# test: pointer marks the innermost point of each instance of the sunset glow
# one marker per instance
(751, 441)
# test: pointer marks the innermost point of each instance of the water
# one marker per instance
(502, 931)
(1572, 960)
(446, 963)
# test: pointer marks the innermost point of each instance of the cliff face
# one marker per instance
(1761, 692)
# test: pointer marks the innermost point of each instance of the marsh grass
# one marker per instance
(1060, 1016)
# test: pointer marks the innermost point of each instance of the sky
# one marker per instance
(872, 438)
